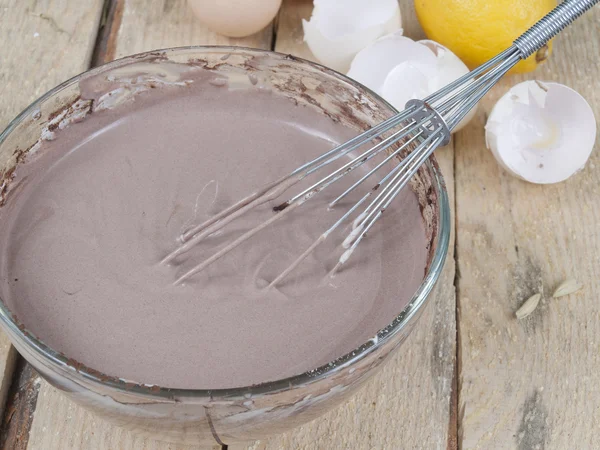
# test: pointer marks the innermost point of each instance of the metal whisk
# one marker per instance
(420, 129)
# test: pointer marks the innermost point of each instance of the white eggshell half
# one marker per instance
(337, 31)
(541, 132)
(400, 69)
(372, 65)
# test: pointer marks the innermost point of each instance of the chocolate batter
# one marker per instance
(99, 206)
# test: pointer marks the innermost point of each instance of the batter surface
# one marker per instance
(103, 203)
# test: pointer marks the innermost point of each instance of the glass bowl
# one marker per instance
(226, 415)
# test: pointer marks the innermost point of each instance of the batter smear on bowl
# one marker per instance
(94, 210)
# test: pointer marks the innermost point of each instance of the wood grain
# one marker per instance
(408, 405)
(43, 43)
(535, 383)
(140, 25)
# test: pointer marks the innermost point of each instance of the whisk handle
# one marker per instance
(551, 24)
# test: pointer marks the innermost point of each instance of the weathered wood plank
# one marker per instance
(532, 383)
(20, 405)
(138, 25)
(43, 43)
(407, 405)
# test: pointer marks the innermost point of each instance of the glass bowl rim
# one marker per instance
(398, 324)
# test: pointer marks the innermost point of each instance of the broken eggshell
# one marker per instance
(400, 69)
(337, 31)
(541, 132)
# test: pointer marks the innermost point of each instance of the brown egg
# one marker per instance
(235, 18)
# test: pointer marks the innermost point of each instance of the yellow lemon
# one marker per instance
(477, 30)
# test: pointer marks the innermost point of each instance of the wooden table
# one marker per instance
(470, 375)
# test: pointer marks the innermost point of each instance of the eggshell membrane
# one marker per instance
(541, 132)
(337, 31)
